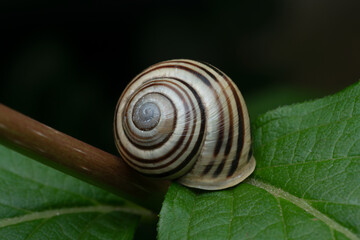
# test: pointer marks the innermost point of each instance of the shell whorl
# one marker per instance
(187, 120)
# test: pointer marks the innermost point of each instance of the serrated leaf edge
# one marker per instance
(62, 211)
(303, 205)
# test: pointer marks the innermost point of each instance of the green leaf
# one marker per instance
(306, 184)
(38, 202)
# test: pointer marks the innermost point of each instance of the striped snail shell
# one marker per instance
(185, 120)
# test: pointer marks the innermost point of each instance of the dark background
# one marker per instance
(66, 63)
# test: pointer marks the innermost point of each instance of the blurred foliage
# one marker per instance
(66, 63)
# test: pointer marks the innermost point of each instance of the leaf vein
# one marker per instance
(63, 211)
(301, 203)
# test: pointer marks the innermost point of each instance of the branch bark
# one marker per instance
(79, 159)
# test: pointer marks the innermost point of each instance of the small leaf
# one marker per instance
(306, 184)
(38, 202)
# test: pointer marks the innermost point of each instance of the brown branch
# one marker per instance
(79, 159)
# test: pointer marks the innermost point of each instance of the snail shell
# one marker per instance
(185, 120)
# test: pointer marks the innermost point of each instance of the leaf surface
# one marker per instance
(306, 184)
(38, 202)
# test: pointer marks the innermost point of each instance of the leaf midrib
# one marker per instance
(301, 203)
(63, 211)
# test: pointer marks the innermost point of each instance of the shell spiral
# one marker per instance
(185, 120)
